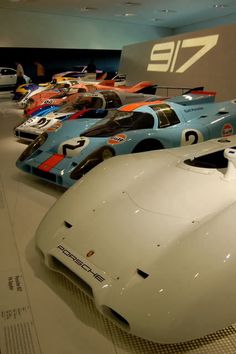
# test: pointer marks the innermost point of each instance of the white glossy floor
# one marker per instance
(40, 311)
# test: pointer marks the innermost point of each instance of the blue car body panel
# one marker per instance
(42, 111)
(78, 145)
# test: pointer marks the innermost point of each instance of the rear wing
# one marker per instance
(194, 97)
(166, 92)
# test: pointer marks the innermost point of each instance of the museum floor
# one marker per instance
(40, 311)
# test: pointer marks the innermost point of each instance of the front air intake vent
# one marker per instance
(142, 274)
(116, 317)
(44, 174)
(67, 224)
(25, 135)
(59, 267)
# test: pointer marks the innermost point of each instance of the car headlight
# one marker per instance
(91, 161)
(29, 103)
(40, 140)
(18, 125)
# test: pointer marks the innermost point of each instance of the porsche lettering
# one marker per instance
(83, 265)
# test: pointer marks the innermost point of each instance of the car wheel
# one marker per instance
(92, 160)
(107, 153)
(148, 145)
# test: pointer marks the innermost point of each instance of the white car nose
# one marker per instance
(230, 154)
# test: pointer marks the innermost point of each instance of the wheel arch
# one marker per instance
(148, 145)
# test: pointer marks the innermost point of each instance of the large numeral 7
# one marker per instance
(207, 44)
(165, 54)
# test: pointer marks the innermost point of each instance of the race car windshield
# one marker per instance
(94, 113)
(59, 95)
(120, 122)
(82, 103)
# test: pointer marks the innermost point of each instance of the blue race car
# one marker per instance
(63, 156)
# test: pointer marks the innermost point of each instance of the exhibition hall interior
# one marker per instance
(118, 177)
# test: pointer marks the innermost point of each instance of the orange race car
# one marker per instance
(70, 94)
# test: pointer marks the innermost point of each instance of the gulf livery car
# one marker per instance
(65, 155)
(54, 116)
(150, 237)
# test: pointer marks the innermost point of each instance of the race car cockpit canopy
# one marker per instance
(118, 121)
(83, 102)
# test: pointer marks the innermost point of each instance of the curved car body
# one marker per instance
(43, 96)
(37, 124)
(60, 96)
(30, 90)
(80, 72)
(72, 92)
(40, 110)
(63, 156)
(24, 89)
(44, 90)
(151, 238)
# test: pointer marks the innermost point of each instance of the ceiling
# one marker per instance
(160, 13)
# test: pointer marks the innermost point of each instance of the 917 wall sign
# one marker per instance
(165, 54)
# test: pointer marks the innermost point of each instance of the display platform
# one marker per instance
(41, 311)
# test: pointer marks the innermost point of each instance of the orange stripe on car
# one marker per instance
(132, 106)
(51, 162)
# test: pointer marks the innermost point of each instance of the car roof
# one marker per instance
(6, 67)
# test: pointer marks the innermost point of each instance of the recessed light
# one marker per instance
(219, 6)
(128, 14)
(167, 11)
(125, 15)
(131, 3)
(87, 8)
(156, 19)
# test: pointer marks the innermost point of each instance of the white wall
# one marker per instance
(28, 29)
(225, 20)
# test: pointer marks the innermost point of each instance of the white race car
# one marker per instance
(151, 238)
(8, 77)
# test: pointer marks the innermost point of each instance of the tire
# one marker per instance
(148, 145)
(107, 153)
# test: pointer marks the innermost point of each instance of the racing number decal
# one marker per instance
(191, 136)
(38, 123)
(42, 122)
(73, 147)
(66, 147)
